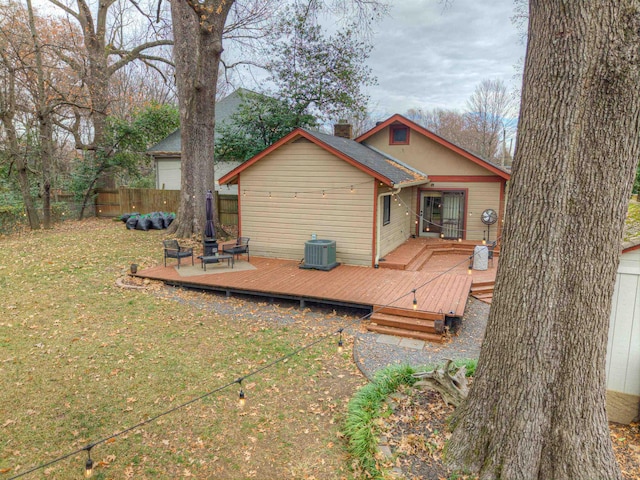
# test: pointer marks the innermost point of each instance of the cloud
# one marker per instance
(430, 55)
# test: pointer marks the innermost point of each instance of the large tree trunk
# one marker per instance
(536, 409)
(197, 49)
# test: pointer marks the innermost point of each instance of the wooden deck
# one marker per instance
(436, 269)
(344, 285)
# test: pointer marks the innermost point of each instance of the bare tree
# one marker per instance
(199, 28)
(44, 107)
(537, 405)
(489, 109)
(105, 50)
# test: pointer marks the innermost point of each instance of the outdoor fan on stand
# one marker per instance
(489, 217)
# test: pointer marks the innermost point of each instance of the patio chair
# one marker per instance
(491, 247)
(172, 249)
(241, 245)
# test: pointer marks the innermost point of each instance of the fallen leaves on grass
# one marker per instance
(417, 433)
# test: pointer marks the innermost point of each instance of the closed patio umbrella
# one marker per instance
(209, 229)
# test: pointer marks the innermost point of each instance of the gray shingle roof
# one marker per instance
(225, 108)
(381, 163)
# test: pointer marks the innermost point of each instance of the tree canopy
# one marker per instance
(259, 122)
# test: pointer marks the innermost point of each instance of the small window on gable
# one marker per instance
(398, 135)
(386, 211)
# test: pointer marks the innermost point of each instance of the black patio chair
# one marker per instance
(172, 249)
(240, 246)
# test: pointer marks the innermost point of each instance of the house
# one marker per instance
(623, 349)
(167, 152)
(369, 194)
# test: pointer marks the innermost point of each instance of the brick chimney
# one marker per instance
(343, 129)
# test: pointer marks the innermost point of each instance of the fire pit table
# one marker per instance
(215, 259)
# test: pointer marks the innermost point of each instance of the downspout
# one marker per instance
(379, 223)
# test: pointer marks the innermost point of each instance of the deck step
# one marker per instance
(408, 323)
(480, 290)
(400, 332)
(418, 261)
(404, 312)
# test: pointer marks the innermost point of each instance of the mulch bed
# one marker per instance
(417, 432)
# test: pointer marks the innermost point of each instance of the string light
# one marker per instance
(295, 195)
(351, 188)
(470, 269)
(442, 235)
(88, 466)
(484, 240)
(241, 396)
(340, 344)
(459, 239)
(269, 194)
(415, 300)
(323, 194)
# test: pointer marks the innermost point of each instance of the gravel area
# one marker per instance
(372, 351)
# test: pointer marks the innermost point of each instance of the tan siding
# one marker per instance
(400, 227)
(480, 196)
(279, 226)
(426, 155)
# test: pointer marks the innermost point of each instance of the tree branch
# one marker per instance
(134, 54)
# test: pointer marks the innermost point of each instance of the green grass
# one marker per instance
(362, 427)
(81, 359)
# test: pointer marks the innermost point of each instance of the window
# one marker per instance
(398, 135)
(386, 211)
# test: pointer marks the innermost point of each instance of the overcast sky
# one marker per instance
(428, 55)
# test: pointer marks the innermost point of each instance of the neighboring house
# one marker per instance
(369, 194)
(623, 349)
(166, 153)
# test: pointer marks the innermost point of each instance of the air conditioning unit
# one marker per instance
(320, 255)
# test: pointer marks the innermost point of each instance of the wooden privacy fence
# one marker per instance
(113, 203)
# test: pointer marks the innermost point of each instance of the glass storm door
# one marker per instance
(431, 218)
(442, 213)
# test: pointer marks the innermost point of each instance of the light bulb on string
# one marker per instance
(351, 188)
(484, 240)
(459, 239)
(242, 399)
(88, 466)
(340, 343)
(323, 194)
(415, 300)
(470, 269)
(442, 235)
(295, 195)
(269, 194)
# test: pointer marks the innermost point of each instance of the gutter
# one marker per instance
(379, 223)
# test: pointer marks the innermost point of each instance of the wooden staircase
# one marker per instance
(406, 323)
(483, 291)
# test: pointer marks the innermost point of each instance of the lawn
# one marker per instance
(82, 359)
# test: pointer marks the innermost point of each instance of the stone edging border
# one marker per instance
(120, 283)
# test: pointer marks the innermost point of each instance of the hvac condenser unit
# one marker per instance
(320, 254)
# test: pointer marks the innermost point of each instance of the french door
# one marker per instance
(442, 214)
